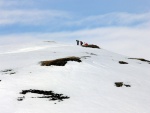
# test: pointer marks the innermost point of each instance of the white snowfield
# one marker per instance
(90, 84)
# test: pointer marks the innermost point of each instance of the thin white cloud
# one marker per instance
(28, 12)
(23, 12)
(31, 16)
(11, 4)
(113, 19)
(66, 20)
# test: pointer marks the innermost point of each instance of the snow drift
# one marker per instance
(89, 86)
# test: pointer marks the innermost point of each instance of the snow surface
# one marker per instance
(89, 84)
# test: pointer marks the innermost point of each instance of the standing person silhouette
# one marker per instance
(81, 43)
(77, 42)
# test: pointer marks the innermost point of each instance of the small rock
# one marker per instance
(119, 84)
(122, 62)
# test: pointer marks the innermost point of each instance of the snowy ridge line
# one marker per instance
(25, 50)
(30, 49)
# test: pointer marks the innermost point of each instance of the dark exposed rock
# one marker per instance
(21, 98)
(91, 46)
(8, 71)
(119, 84)
(45, 94)
(141, 59)
(127, 85)
(60, 62)
(12, 73)
(122, 62)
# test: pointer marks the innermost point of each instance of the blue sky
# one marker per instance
(19, 16)
(117, 25)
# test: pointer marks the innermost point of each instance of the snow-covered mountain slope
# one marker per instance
(85, 87)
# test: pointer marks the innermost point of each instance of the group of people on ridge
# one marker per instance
(81, 43)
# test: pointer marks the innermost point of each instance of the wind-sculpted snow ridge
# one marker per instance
(95, 81)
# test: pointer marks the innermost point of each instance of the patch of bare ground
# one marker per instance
(91, 46)
(8, 71)
(123, 62)
(60, 62)
(45, 94)
(141, 59)
(120, 84)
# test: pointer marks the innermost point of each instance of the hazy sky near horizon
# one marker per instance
(121, 26)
